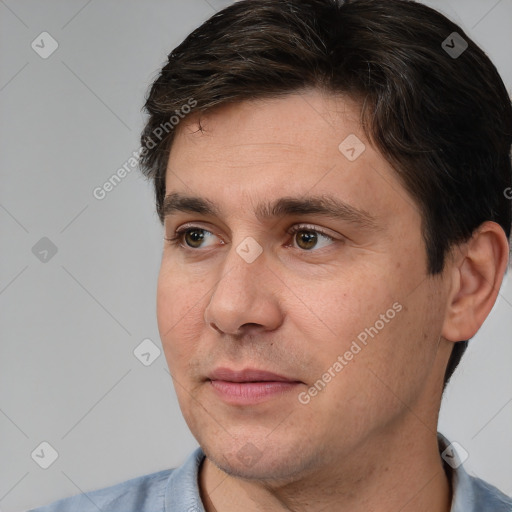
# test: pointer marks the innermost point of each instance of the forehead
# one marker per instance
(299, 124)
(302, 144)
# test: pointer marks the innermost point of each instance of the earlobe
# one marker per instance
(477, 273)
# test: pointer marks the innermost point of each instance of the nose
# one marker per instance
(245, 299)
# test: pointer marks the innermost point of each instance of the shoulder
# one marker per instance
(487, 498)
(470, 493)
(140, 494)
(168, 490)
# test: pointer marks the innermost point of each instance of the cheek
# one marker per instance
(402, 356)
(179, 316)
(178, 293)
(352, 302)
(375, 316)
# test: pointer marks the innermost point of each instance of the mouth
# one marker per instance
(247, 375)
(250, 385)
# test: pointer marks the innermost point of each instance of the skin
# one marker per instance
(367, 442)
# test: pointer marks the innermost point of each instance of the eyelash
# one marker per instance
(177, 239)
(312, 229)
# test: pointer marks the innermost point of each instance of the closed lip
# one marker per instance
(248, 375)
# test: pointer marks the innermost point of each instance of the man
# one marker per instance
(332, 180)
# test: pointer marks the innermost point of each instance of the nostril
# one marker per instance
(250, 325)
(215, 328)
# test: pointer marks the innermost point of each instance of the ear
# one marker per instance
(477, 269)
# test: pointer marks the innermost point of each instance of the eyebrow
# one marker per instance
(324, 205)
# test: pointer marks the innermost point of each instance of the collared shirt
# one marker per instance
(177, 490)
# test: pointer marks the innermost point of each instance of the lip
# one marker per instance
(249, 386)
(247, 375)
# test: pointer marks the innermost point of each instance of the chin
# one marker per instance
(275, 462)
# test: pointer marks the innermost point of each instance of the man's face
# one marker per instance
(353, 319)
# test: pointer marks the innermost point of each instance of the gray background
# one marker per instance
(69, 325)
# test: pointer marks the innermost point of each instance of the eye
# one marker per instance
(192, 236)
(309, 236)
(305, 237)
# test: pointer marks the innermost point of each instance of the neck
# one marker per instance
(393, 471)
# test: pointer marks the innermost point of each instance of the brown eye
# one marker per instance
(306, 239)
(193, 237)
